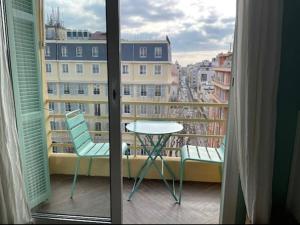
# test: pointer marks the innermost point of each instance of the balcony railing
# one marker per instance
(196, 114)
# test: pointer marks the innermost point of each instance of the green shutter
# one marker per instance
(26, 74)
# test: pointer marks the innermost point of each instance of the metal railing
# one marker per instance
(199, 115)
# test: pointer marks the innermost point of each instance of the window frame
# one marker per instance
(143, 52)
(155, 69)
(95, 51)
(65, 66)
(93, 67)
(158, 56)
(79, 51)
(78, 65)
(64, 51)
(141, 71)
(143, 93)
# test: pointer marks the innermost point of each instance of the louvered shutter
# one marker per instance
(131, 90)
(138, 90)
(26, 75)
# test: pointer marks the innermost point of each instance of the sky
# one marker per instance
(197, 29)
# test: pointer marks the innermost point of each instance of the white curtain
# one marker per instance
(13, 204)
(256, 74)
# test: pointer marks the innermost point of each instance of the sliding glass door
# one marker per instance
(66, 78)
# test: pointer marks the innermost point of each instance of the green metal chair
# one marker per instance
(84, 145)
(200, 154)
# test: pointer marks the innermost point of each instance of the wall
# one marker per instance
(288, 103)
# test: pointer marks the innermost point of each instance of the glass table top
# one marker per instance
(154, 127)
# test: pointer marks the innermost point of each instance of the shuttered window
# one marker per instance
(26, 75)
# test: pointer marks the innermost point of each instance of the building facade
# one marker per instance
(76, 73)
(221, 82)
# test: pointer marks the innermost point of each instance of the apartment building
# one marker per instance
(76, 73)
(221, 82)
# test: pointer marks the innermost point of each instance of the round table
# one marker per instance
(150, 129)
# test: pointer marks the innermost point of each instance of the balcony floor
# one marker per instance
(152, 204)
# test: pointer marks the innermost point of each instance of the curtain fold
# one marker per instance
(13, 204)
(256, 73)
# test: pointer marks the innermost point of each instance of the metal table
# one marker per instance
(163, 131)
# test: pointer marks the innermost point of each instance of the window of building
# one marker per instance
(78, 51)
(98, 126)
(48, 68)
(157, 109)
(203, 77)
(51, 88)
(125, 69)
(64, 51)
(157, 69)
(51, 106)
(47, 51)
(96, 89)
(95, 52)
(127, 109)
(143, 109)
(79, 68)
(143, 69)
(96, 68)
(143, 90)
(54, 125)
(81, 107)
(65, 68)
(81, 89)
(126, 89)
(158, 52)
(97, 110)
(126, 130)
(143, 52)
(67, 89)
(68, 107)
(158, 90)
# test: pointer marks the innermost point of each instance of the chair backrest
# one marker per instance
(78, 130)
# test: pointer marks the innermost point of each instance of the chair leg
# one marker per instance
(181, 180)
(90, 166)
(75, 177)
(128, 167)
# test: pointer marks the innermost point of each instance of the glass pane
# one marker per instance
(76, 76)
(176, 67)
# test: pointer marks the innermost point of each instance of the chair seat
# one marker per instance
(98, 150)
(203, 154)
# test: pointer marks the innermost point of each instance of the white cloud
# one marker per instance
(194, 26)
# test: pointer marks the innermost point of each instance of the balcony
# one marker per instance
(202, 180)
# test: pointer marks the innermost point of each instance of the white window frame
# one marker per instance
(80, 90)
(143, 109)
(50, 85)
(156, 89)
(156, 51)
(125, 71)
(65, 66)
(156, 66)
(64, 51)
(47, 51)
(79, 51)
(143, 72)
(97, 126)
(96, 88)
(69, 106)
(157, 109)
(143, 52)
(143, 91)
(127, 109)
(51, 107)
(95, 51)
(97, 108)
(67, 87)
(127, 91)
(82, 107)
(48, 68)
(94, 65)
(78, 65)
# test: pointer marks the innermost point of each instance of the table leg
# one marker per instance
(157, 149)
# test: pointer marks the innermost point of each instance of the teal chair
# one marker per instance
(84, 146)
(200, 154)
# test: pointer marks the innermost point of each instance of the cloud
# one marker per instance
(192, 25)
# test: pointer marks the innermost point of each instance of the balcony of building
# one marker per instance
(201, 195)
